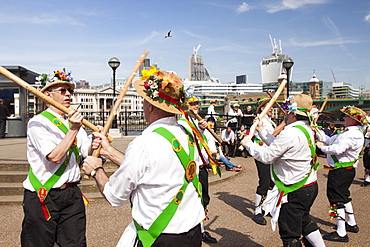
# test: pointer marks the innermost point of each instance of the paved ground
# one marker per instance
(231, 209)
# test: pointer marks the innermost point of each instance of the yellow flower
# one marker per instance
(352, 112)
(147, 73)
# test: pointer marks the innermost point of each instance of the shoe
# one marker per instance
(353, 229)
(235, 170)
(258, 218)
(238, 166)
(365, 183)
(206, 238)
(333, 236)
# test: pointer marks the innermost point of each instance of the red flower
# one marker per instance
(146, 85)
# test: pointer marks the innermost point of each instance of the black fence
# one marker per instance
(130, 122)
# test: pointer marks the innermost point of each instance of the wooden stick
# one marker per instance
(208, 128)
(277, 103)
(118, 101)
(267, 108)
(322, 108)
(43, 97)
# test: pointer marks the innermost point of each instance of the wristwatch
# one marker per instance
(93, 173)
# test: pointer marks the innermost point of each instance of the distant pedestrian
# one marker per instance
(248, 117)
(53, 205)
(4, 113)
(212, 114)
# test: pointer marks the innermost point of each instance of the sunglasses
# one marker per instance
(63, 91)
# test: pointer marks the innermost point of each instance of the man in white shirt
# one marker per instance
(236, 113)
(158, 172)
(291, 156)
(54, 210)
(228, 141)
(343, 152)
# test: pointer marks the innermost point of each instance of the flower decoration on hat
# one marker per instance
(356, 114)
(158, 85)
(59, 75)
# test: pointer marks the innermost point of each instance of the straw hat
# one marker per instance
(58, 77)
(213, 101)
(194, 99)
(356, 114)
(301, 104)
(162, 89)
(262, 102)
(236, 105)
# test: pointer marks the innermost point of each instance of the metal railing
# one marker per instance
(129, 122)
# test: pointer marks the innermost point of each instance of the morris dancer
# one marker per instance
(264, 183)
(291, 154)
(343, 152)
(53, 204)
(158, 173)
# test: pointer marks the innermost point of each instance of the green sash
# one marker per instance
(43, 189)
(338, 164)
(315, 164)
(148, 237)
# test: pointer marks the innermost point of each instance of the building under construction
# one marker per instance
(197, 70)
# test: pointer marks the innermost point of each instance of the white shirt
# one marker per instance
(232, 112)
(345, 146)
(151, 175)
(42, 137)
(227, 136)
(289, 153)
(268, 130)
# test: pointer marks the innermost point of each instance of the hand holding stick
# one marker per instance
(267, 108)
(208, 128)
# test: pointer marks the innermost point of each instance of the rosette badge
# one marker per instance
(162, 89)
(58, 77)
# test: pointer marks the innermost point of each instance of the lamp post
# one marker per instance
(288, 64)
(114, 64)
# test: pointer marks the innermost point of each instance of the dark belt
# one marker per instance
(66, 185)
(306, 185)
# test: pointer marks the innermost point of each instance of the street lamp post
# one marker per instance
(114, 64)
(288, 64)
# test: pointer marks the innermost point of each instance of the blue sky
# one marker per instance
(81, 35)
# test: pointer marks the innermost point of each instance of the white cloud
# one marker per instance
(243, 8)
(367, 18)
(149, 38)
(292, 4)
(339, 41)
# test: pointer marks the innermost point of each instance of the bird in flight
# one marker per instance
(168, 34)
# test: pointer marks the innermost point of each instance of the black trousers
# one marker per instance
(294, 218)
(2, 128)
(192, 238)
(67, 226)
(339, 181)
(203, 179)
(366, 158)
(264, 176)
